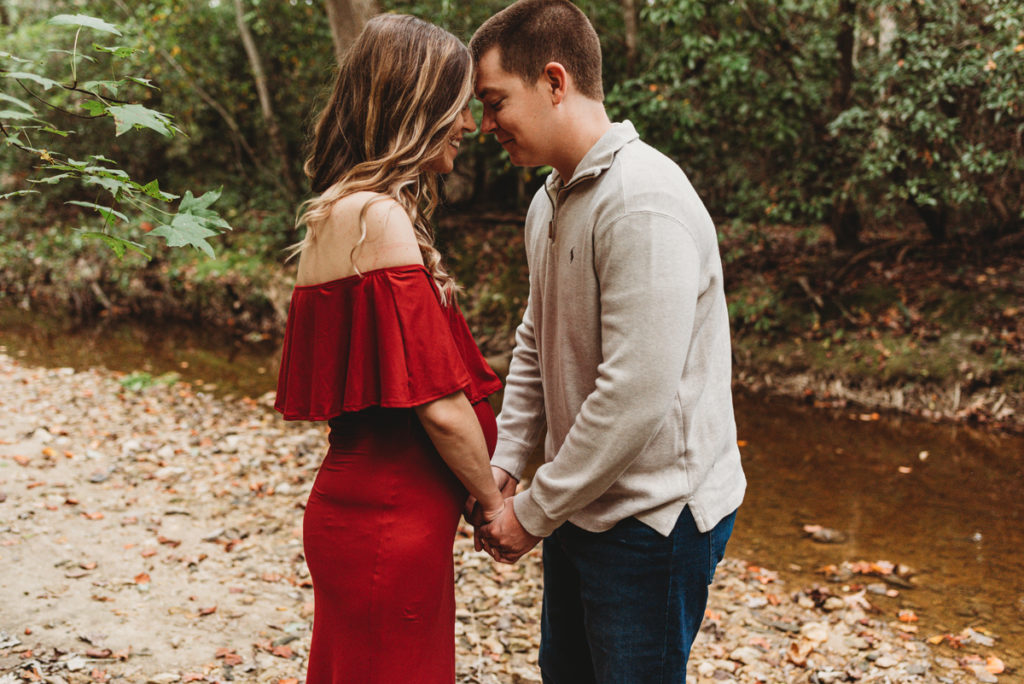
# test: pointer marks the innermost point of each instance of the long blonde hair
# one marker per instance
(399, 90)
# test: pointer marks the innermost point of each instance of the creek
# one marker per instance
(943, 499)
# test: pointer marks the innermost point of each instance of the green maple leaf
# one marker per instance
(15, 101)
(46, 83)
(131, 116)
(109, 214)
(118, 245)
(83, 21)
(186, 230)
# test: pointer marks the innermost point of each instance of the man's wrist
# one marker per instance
(531, 516)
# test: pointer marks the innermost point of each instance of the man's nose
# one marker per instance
(487, 124)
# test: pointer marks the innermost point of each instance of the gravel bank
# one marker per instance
(150, 532)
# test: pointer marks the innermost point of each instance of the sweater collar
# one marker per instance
(598, 158)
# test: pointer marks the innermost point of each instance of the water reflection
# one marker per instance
(943, 499)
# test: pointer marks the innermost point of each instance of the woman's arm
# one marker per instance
(454, 429)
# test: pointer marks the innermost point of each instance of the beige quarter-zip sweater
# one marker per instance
(624, 352)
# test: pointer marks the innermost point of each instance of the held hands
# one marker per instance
(499, 531)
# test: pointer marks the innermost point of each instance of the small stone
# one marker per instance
(164, 678)
(815, 632)
(984, 675)
(886, 661)
(877, 588)
(857, 643)
(746, 655)
(917, 668)
(834, 603)
(827, 535)
(75, 663)
(42, 435)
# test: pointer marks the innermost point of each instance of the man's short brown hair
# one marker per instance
(531, 33)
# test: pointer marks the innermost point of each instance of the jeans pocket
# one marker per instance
(718, 537)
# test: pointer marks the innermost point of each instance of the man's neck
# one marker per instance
(582, 130)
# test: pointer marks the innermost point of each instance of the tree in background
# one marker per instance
(804, 111)
(843, 113)
(30, 128)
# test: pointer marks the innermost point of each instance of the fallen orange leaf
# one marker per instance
(282, 651)
(994, 665)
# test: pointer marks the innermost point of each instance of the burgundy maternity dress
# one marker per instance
(381, 518)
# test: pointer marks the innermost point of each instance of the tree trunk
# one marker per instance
(630, 25)
(936, 219)
(273, 130)
(346, 18)
(845, 225)
(844, 218)
(843, 85)
(887, 30)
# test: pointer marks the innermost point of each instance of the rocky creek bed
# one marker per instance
(151, 532)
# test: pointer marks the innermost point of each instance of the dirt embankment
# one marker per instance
(900, 325)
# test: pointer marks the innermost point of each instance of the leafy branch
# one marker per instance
(192, 223)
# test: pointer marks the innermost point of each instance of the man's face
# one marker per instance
(515, 112)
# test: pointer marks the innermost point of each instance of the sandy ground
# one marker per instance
(154, 535)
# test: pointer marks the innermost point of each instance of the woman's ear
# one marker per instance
(556, 80)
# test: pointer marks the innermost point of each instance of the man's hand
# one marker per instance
(474, 515)
(505, 538)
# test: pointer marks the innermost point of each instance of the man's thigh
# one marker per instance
(642, 595)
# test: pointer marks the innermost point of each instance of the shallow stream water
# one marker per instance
(943, 499)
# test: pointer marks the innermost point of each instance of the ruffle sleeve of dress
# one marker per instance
(383, 339)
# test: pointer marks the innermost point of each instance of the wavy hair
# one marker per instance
(399, 90)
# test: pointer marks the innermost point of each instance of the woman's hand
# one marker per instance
(506, 484)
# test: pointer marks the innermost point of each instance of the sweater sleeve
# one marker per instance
(648, 267)
(522, 419)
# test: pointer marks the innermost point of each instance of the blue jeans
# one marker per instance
(623, 606)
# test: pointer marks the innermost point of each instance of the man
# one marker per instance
(623, 356)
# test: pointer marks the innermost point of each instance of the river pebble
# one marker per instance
(151, 532)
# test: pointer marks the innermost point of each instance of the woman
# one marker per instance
(376, 345)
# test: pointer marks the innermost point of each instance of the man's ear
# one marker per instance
(556, 81)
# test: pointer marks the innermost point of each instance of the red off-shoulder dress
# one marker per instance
(381, 518)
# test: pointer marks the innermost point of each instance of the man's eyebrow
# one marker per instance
(487, 91)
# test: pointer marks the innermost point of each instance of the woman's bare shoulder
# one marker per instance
(390, 239)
